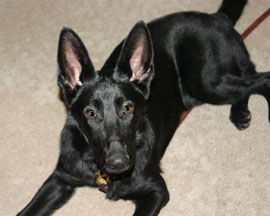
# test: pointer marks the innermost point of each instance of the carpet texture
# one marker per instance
(210, 167)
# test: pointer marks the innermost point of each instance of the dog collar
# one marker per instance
(105, 178)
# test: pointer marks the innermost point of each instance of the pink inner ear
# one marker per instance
(136, 64)
(74, 68)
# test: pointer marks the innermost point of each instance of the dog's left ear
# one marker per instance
(135, 62)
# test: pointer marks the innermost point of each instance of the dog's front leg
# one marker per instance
(152, 198)
(51, 196)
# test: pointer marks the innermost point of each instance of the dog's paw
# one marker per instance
(112, 192)
(240, 118)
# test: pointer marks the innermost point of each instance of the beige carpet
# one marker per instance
(210, 167)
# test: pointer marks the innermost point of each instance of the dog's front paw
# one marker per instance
(240, 118)
(112, 192)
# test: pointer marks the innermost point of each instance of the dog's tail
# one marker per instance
(232, 9)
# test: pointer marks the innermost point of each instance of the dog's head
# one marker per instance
(108, 104)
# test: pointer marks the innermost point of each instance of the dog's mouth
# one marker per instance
(118, 170)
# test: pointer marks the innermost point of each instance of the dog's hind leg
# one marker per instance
(240, 115)
(258, 83)
(234, 90)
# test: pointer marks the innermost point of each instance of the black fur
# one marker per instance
(232, 9)
(122, 118)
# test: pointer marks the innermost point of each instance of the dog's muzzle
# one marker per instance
(117, 159)
(118, 163)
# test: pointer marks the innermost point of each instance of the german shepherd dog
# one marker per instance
(121, 118)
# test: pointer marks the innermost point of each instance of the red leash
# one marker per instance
(254, 25)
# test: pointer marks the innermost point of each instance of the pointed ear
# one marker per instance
(135, 62)
(74, 63)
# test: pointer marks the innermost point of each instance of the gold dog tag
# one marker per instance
(101, 178)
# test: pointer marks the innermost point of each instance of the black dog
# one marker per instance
(122, 118)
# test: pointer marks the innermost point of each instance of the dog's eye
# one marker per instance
(91, 114)
(128, 109)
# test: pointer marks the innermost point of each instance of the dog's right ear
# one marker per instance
(74, 63)
(135, 62)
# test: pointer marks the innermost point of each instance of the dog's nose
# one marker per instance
(118, 163)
